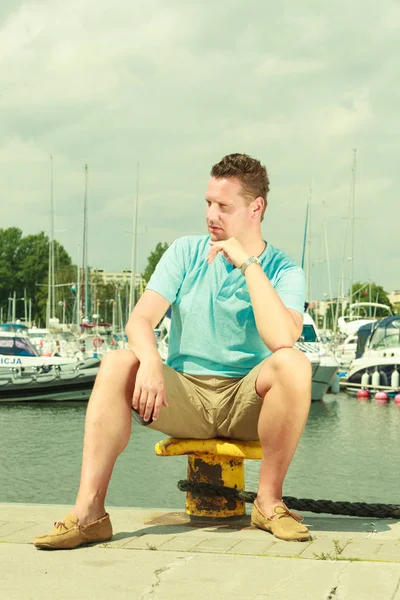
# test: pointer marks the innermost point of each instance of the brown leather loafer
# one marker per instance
(284, 525)
(69, 534)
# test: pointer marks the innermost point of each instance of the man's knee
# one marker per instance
(118, 360)
(291, 365)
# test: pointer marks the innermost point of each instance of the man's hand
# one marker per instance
(231, 249)
(149, 394)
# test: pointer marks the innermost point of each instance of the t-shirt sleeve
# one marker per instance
(291, 288)
(169, 272)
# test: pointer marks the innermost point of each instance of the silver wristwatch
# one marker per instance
(251, 259)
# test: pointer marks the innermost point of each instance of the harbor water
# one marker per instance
(349, 451)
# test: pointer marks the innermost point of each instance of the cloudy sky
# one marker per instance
(175, 86)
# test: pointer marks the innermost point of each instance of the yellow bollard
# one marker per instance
(214, 461)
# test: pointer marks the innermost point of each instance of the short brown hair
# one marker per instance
(249, 171)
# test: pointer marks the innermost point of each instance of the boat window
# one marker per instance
(391, 341)
(6, 346)
(10, 346)
(377, 340)
(308, 334)
(387, 337)
(24, 348)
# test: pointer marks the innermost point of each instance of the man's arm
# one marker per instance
(149, 311)
(278, 326)
(149, 394)
(160, 293)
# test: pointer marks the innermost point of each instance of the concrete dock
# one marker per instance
(160, 554)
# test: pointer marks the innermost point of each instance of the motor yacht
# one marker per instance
(25, 375)
(377, 362)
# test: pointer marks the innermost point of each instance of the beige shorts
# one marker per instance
(205, 407)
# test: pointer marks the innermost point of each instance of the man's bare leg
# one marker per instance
(107, 431)
(285, 384)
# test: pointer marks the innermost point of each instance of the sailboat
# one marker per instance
(92, 343)
(360, 314)
(341, 298)
(25, 374)
(51, 319)
(132, 294)
(324, 363)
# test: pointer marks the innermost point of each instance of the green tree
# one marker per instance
(371, 292)
(33, 273)
(10, 241)
(153, 259)
(24, 266)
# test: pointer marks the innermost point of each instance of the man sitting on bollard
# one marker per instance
(232, 372)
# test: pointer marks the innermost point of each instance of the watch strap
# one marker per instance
(251, 259)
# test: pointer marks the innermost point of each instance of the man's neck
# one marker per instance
(254, 247)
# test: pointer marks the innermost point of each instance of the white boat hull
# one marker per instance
(49, 386)
(325, 365)
(384, 364)
(323, 379)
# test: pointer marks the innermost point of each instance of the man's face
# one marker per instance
(227, 212)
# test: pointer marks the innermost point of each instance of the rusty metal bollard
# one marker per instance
(215, 461)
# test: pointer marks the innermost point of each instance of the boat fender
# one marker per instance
(376, 377)
(395, 378)
(365, 378)
(381, 397)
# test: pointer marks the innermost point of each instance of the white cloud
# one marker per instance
(275, 66)
(176, 86)
(346, 119)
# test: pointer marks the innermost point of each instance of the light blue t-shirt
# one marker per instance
(213, 330)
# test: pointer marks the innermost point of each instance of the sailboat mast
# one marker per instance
(308, 275)
(51, 282)
(304, 239)
(84, 284)
(53, 275)
(306, 246)
(329, 271)
(78, 293)
(352, 217)
(132, 295)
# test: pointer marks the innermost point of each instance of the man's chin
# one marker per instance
(218, 235)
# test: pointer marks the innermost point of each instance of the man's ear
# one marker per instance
(258, 206)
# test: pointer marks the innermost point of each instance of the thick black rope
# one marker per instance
(352, 509)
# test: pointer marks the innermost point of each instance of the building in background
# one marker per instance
(394, 299)
(116, 277)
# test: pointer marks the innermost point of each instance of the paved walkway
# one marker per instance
(160, 555)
